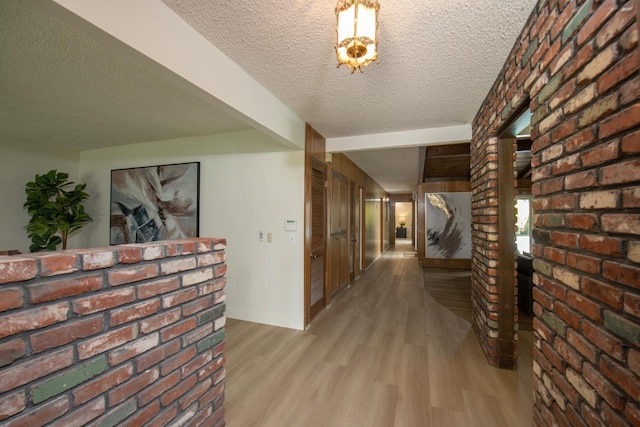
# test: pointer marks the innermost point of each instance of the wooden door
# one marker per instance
(318, 237)
(353, 227)
(339, 266)
(344, 236)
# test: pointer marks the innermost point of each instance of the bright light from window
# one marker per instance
(523, 225)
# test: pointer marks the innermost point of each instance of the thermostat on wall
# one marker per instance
(290, 225)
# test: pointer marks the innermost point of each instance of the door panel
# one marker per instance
(317, 280)
(318, 238)
(352, 231)
(344, 260)
(339, 266)
(335, 264)
(360, 245)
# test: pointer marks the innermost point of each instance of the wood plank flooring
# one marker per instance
(452, 289)
(385, 353)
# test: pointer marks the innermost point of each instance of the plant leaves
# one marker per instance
(56, 210)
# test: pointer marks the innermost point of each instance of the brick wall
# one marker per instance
(576, 66)
(484, 245)
(122, 336)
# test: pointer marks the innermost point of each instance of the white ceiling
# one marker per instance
(59, 86)
(438, 60)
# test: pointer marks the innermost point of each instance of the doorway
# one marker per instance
(514, 233)
(404, 222)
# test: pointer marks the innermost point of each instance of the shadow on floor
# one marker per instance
(451, 288)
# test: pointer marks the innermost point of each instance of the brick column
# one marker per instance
(575, 66)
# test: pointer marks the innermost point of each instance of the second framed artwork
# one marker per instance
(155, 203)
(448, 220)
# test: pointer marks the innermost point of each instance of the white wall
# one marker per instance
(404, 209)
(20, 161)
(248, 183)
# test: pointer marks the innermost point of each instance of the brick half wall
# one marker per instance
(124, 335)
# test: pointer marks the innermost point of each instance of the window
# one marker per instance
(523, 224)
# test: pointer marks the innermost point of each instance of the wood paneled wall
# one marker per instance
(314, 144)
(373, 244)
(370, 232)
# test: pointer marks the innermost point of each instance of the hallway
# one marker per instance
(383, 354)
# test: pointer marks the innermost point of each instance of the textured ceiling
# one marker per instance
(438, 60)
(60, 87)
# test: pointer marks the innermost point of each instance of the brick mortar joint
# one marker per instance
(31, 264)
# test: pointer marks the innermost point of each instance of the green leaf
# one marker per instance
(55, 207)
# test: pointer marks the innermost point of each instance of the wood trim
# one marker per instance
(420, 223)
(315, 144)
(363, 231)
(382, 224)
(506, 254)
(393, 221)
(402, 198)
(463, 186)
(437, 187)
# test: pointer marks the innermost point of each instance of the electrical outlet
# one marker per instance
(292, 238)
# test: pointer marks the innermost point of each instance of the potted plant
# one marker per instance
(402, 224)
(56, 210)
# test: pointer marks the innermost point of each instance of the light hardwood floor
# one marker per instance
(385, 353)
(452, 289)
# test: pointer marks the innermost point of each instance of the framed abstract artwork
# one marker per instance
(448, 219)
(155, 203)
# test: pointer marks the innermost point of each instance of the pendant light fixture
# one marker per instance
(357, 30)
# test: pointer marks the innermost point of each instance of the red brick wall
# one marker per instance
(122, 335)
(577, 62)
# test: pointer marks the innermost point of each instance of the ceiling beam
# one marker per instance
(153, 34)
(402, 139)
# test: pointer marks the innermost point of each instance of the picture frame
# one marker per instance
(448, 223)
(152, 203)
